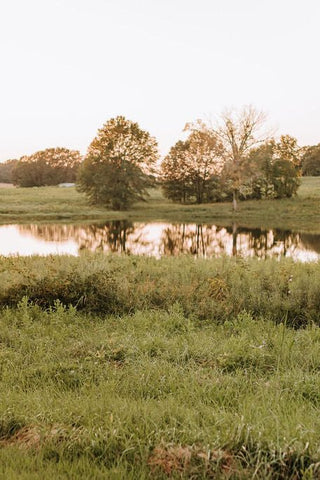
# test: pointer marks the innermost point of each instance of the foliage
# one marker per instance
(213, 162)
(6, 171)
(287, 148)
(277, 171)
(285, 178)
(118, 165)
(189, 171)
(174, 173)
(225, 162)
(311, 161)
(46, 167)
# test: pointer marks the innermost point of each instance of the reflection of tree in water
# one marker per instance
(174, 239)
(194, 239)
(311, 241)
(263, 243)
(209, 240)
(111, 236)
(51, 233)
(289, 241)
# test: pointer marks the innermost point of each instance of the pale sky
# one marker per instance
(67, 66)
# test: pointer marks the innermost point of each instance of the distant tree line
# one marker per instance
(6, 171)
(230, 160)
(46, 167)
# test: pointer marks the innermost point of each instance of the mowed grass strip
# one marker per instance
(156, 395)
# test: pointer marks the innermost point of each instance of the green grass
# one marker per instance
(156, 395)
(65, 204)
(172, 368)
(213, 289)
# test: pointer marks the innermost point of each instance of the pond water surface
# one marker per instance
(158, 239)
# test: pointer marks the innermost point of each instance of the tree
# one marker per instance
(287, 148)
(118, 165)
(239, 131)
(47, 167)
(190, 168)
(261, 183)
(6, 171)
(311, 161)
(285, 178)
(174, 173)
(277, 171)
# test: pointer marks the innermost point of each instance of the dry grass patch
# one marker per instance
(35, 436)
(190, 460)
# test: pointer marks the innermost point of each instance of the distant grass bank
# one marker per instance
(156, 395)
(22, 205)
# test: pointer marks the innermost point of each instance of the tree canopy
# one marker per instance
(47, 167)
(311, 161)
(277, 167)
(239, 131)
(189, 170)
(231, 161)
(119, 164)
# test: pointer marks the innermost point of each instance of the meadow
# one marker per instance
(129, 367)
(45, 204)
(126, 367)
(156, 394)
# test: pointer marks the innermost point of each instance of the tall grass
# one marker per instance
(156, 395)
(214, 290)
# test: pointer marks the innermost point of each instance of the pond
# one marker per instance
(158, 239)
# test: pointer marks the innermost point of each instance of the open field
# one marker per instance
(22, 205)
(176, 368)
(156, 395)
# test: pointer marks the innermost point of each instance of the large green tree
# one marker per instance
(190, 169)
(277, 168)
(47, 167)
(119, 164)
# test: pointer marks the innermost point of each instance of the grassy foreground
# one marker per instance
(65, 204)
(156, 395)
(176, 368)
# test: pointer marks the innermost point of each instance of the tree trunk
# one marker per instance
(234, 239)
(235, 200)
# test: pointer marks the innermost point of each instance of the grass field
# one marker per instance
(171, 368)
(177, 368)
(22, 205)
(156, 395)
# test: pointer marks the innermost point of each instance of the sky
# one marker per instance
(67, 66)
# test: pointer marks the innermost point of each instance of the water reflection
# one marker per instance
(159, 239)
